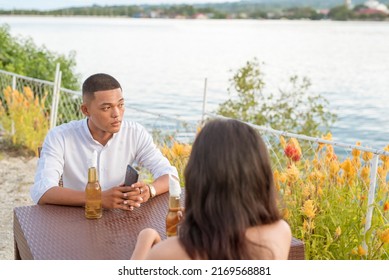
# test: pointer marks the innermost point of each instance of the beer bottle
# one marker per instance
(172, 218)
(93, 205)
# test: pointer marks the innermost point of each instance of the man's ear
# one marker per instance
(85, 110)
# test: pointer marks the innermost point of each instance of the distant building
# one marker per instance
(375, 5)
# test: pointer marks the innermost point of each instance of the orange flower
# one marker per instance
(361, 251)
(384, 236)
(356, 152)
(367, 156)
(309, 209)
(386, 206)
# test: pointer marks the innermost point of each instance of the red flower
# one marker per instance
(386, 206)
(292, 153)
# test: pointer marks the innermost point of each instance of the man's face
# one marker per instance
(105, 111)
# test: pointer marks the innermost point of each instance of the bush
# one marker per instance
(24, 119)
(23, 57)
(290, 110)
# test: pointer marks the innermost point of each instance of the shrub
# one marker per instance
(23, 117)
(294, 109)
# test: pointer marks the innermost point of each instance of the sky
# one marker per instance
(56, 4)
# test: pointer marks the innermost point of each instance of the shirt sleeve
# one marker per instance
(150, 157)
(50, 166)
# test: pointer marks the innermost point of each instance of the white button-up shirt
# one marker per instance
(67, 150)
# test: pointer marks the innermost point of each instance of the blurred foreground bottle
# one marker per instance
(93, 205)
(172, 218)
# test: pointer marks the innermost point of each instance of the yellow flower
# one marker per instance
(305, 225)
(306, 191)
(286, 214)
(361, 251)
(367, 156)
(292, 173)
(382, 172)
(356, 152)
(334, 168)
(276, 176)
(328, 137)
(346, 166)
(319, 191)
(282, 142)
(283, 178)
(338, 231)
(365, 172)
(309, 209)
(384, 236)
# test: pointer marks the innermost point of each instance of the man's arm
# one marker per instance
(120, 197)
(161, 184)
(63, 196)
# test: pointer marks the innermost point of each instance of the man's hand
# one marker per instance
(125, 197)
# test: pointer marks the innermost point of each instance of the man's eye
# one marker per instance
(121, 105)
(105, 108)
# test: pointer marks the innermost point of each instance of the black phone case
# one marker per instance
(131, 176)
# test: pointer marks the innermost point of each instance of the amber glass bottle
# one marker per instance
(93, 207)
(172, 218)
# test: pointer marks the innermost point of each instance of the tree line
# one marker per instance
(239, 10)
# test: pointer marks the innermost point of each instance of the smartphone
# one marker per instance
(131, 176)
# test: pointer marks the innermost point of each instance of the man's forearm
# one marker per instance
(63, 196)
(161, 184)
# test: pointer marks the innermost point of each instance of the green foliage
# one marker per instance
(23, 57)
(294, 109)
(340, 13)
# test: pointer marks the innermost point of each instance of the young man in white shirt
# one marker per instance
(67, 149)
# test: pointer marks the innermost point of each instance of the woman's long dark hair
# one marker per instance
(229, 187)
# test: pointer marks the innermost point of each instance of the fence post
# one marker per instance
(371, 195)
(13, 82)
(54, 103)
(204, 100)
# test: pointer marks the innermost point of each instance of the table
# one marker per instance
(51, 232)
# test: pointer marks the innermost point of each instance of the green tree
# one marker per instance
(22, 56)
(341, 13)
(294, 109)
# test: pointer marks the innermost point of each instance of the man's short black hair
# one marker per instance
(99, 82)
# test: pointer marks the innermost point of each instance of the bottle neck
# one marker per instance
(92, 175)
(174, 203)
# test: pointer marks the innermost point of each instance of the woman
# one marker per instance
(230, 201)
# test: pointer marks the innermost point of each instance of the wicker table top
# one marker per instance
(50, 232)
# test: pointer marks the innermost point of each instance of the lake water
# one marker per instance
(162, 64)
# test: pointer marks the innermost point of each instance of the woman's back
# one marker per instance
(276, 237)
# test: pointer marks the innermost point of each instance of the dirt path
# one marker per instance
(16, 177)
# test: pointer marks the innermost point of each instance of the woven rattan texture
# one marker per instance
(52, 232)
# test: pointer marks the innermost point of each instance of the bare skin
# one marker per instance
(149, 245)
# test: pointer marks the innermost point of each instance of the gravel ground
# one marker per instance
(16, 177)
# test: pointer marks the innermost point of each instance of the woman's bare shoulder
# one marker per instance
(277, 236)
(168, 249)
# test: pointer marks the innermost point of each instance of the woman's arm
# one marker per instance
(147, 238)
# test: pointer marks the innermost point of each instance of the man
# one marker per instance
(67, 150)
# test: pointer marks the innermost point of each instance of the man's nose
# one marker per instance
(115, 112)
